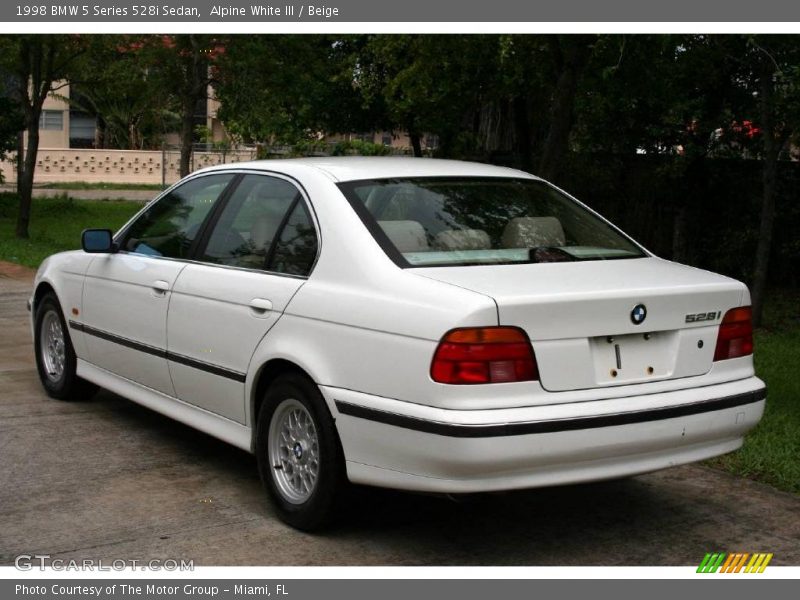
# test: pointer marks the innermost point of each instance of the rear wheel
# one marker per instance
(55, 357)
(299, 455)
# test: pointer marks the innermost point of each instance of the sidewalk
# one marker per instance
(132, 195)
(11, 270)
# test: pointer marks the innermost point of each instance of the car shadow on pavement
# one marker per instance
(651, 519)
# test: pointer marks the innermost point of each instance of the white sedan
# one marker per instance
(419, 324)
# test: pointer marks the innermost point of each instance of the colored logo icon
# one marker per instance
(735, 562)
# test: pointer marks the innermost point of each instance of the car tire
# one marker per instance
(55, 356)
(299, 454)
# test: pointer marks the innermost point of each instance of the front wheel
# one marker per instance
(299, 455)
(55, 357)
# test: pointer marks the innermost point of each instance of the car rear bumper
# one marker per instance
(410, 446)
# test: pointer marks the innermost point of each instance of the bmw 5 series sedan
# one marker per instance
(420, 324)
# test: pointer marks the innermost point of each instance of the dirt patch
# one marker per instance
(15, 271)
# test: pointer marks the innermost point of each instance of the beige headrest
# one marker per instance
(463, 239)
(261, 232)
(530, 232)
(407, 236)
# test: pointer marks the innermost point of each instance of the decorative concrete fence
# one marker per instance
(118, 166)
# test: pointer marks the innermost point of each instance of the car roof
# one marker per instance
(353, 168)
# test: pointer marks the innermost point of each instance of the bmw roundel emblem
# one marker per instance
(638, 314)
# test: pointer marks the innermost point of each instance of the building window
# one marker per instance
(82, 129)
(51, 119)
(386, 140)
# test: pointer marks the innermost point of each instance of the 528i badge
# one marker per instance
(706, 316)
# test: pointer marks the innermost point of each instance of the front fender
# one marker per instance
(65, 273)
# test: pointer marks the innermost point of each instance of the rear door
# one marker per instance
(254, 257)
(126, 294)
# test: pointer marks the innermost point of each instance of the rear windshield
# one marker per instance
(477, 221)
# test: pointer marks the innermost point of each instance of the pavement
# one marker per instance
(132, 195)
(106, 478)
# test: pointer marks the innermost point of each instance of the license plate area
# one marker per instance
(634, 357)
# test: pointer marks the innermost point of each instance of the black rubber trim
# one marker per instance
(110, 337)
(177, 358)
(207, 367)
(509, 429)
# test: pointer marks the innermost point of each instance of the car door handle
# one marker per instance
(160, 286)
(260, 306)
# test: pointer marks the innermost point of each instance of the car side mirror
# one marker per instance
(98, 241)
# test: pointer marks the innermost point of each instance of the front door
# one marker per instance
(126, 294)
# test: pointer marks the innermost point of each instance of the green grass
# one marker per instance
(771, 452)
(56, 225)
(85, 185)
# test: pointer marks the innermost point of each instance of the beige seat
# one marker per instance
(261, 233)
(407, 236)
(531, 232)
(462, 239)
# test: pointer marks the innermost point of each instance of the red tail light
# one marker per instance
(484, 355)
(735, 337)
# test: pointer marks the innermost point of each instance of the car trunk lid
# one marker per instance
(579, 316)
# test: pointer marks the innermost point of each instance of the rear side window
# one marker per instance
(263, 225)
(461, 221)
(296, 248)
(169, 227)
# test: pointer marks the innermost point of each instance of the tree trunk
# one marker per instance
(575, 56)
(416, 143)
(20, 154)
(187, 134)
(692, 191)
(769, 185)
(195, 89)
(25, 171)
(523, 149)
(680, 242)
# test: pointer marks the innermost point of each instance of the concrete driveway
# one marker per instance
(108, 479)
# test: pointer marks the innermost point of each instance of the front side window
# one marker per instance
(169, 227)
(451, 221)
(264, 225)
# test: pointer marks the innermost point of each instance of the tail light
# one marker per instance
(735, 337)
(484, 355)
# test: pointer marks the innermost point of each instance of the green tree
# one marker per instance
(11, 118)
(182, 66)
(290, 88)
(666, 95)
(427, 84)
(116, 82)
(38, 65)
(775, 66)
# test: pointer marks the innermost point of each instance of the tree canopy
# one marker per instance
(529, 101)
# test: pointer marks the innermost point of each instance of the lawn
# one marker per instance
(56, 225)
(771, 452)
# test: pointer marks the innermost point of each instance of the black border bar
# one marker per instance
(177, 358)
(509, 429)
